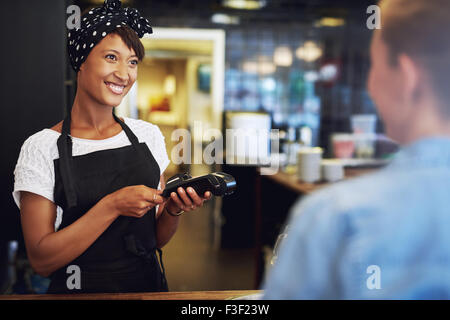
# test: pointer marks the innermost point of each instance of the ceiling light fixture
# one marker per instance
(244, 4)
(283, 56)
(170, 85)
(221, 18)
(329, 22)
(309, 52)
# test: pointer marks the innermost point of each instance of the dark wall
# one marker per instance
(32, 94)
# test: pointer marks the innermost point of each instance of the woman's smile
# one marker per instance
(115, 88)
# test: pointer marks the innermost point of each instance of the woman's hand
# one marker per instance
(186, 200)
(135, 201)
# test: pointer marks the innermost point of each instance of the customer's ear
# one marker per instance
(411, 79)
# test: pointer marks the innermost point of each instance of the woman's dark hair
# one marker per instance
(131, 39)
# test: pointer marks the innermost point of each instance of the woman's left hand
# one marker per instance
(186, 200)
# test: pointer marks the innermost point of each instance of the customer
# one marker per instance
(385, 235)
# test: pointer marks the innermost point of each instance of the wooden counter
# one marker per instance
(291, 181)
(194, 295)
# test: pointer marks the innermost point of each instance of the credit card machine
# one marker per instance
(218, 183)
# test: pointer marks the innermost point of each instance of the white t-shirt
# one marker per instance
(35, 172)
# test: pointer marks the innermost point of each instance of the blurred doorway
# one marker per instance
(180, 83)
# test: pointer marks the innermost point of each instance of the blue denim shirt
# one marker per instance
(385, 235)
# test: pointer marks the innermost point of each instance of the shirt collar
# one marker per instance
(433, 151)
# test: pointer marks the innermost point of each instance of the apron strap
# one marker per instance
(162, 264)
(131, 136)
(64, 144)
(134, 245)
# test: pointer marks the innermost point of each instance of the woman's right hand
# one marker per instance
(135, 201)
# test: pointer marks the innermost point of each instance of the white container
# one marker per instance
(365, 144)
(332, 170)
(309, 164)
(364, 123)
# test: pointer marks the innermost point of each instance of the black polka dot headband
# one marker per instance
(97, 23)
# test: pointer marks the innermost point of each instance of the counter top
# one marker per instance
(291, 181)
(192, 295)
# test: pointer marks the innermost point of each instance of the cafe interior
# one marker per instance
(292, 71)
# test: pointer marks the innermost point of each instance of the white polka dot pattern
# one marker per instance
(34, 170)
(97, 24)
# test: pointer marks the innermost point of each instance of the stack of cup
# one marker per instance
(364, 129)
(364, 123)
(343, 145)
(308, 162)
(332, 170)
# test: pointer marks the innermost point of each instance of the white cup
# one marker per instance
(332, 170)
(308, 164)
(364, 123)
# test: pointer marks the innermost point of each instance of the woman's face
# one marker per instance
(109, 71)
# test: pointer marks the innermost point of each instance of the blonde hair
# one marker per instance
(420, 29)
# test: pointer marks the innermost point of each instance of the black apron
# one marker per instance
(123, 258)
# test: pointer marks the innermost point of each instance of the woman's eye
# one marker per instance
(114, 58)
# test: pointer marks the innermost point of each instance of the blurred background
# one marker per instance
(299, 66)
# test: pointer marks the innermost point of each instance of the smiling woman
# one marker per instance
(89, 188)
(110, 69)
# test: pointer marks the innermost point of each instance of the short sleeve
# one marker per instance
(33, 172)
(157, 144)
(162, 150)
